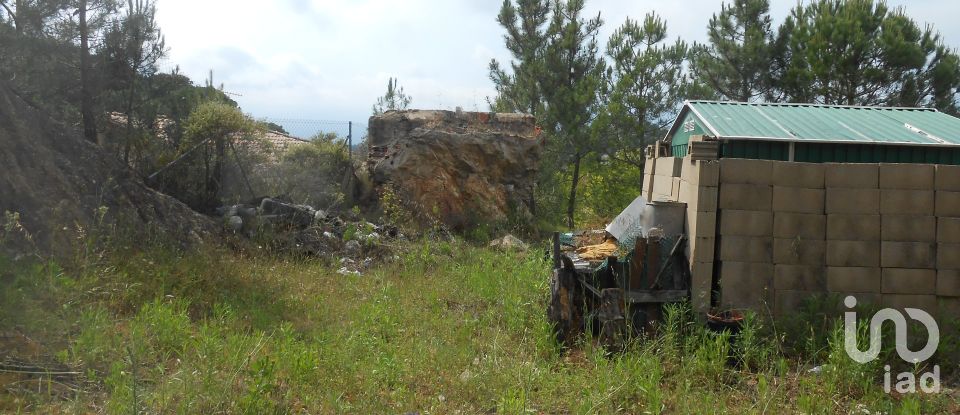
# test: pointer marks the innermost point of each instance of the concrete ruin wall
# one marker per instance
(775, 233)
(460, 168)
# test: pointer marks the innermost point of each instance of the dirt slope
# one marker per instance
(57, 181)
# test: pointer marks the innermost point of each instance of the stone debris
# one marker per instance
(509, 243)
(303, 229)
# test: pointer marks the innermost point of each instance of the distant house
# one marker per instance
(282, 142)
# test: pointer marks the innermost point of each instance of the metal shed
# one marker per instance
(820, 133)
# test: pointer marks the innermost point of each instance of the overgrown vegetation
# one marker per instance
(444, 327)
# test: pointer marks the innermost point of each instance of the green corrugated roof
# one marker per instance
(823, 123)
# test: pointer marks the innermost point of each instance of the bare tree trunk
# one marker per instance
(86, 103)
(13, 16)
(571, 203)
(217, 174)
(129, 132)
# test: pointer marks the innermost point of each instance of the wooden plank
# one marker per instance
(556, 250)
(653, 263)
(637, 264)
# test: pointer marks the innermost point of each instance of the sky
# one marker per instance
(312, 65)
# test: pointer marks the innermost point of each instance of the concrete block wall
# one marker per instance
(774, 233)
(745, 237)
(800, 246)
(853, 235)
(699, 189)
(888, 234)
(946, 185)
(695, 183)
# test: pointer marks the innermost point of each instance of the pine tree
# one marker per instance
(570, 85)
(858, 52)
(645, 87)
(736, 60)
(393, 100)
(526, 24)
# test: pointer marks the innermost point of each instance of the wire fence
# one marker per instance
(309, 128)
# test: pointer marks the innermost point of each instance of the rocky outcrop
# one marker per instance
(460, 168)
(60, 185)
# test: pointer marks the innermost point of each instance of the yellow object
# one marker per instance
(597, 252)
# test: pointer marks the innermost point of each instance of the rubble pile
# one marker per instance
(305, 230)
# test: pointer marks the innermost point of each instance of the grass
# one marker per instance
(447, 327)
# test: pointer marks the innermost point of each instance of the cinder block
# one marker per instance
(908, 255)
(702, 249)
(799, 251)
(853, 253)
(701, 224)
(675, 189)
(799, 225)
(950, 307)
(854, 279)
(662, 188)
(852, 175)
(948, 283)
(701, 172)
(853, 201)
(908, 228)
(948, 204)
(646, 184)
(863, 299)
(745, 285)
(926, 303)
(746, 223)
(906, 202)
(800, 277)
(746, 171)
(699, 198)
(909, 281)
(746, 197)
(846, 227)
(798, 200)
(948, 230)
(806, 175)
(746, 249)
(789, 302)
(948, 178)
(648, 168)
(668, 166)
(701, 285)
(907, 176)
(948, 256)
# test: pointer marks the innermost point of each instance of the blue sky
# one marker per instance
(331, 59)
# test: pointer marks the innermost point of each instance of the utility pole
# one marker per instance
(350, 140)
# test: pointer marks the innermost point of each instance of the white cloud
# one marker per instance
(330, 59)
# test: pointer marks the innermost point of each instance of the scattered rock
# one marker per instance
(347, 271)
(352, 247)
(509, 243)
(235, 223)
